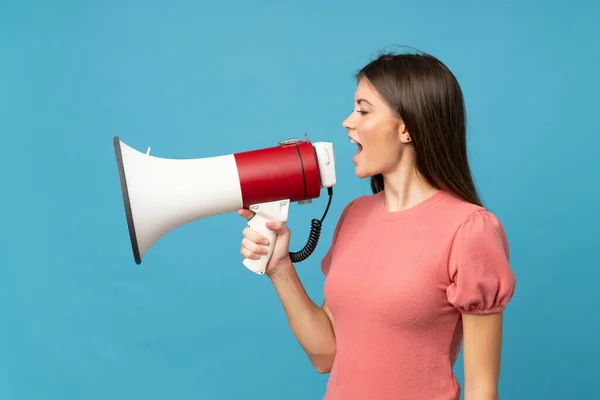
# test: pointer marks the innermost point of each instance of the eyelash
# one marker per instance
(362, 112)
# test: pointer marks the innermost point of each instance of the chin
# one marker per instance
(361, 173)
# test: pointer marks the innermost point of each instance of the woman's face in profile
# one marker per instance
(376, 130)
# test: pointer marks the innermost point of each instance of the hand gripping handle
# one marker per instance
(258, 224)
(263, 213)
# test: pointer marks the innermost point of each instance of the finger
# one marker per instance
(255, 236)
(278, 227)
(246, 213)
(249, 254)
(254, 247)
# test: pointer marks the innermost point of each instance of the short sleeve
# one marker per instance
(326, 261)
(482, 280)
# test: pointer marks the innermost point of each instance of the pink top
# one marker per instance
(397, 282)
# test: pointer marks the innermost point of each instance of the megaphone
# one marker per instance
(161, 194)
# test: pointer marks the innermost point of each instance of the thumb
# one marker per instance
(278, 227)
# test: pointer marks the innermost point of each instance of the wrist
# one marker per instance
(282, 271)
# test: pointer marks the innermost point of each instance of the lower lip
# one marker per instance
(356, 155)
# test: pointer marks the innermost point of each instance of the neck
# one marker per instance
(405, 187)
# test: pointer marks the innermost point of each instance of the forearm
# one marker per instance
(309, 322)
(481, 391)
(482, 354)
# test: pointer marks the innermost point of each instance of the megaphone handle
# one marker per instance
(263, 213)
(258, 224)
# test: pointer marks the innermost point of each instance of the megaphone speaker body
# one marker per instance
(162, 194)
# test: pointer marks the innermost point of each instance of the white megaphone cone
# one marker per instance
(162, 194)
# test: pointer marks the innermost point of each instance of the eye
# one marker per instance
(362, 112)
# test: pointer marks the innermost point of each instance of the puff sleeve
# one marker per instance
(326, 261)
(481, 278)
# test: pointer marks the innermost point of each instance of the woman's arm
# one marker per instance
(312, 325)
(481, 352)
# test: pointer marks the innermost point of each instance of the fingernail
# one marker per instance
(265, 242)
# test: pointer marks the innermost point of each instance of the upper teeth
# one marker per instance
(352, 141)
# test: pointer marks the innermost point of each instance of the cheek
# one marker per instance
(366, 129)
(378, 139)
(371, 132)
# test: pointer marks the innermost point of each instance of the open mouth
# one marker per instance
(358, 145)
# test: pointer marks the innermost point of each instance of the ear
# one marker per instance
(403, 133)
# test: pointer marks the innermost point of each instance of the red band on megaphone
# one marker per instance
(281, 172)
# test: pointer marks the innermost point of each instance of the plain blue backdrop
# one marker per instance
(79, 320)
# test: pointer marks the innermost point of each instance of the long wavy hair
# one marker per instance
(426, 95)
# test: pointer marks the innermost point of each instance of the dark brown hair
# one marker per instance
(425, 94)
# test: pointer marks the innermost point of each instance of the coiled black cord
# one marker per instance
(314, 235)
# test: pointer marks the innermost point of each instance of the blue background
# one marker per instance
(79, 320)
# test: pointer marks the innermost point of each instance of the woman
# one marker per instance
(416, 268)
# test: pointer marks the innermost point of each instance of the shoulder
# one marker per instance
(353, 213)
(478, 226)
(465, 218)
(360, 204)
(459, 208)
(474, 226)
(365, 200)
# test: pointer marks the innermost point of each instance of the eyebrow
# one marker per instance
(363, 101)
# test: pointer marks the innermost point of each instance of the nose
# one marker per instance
(348, 123)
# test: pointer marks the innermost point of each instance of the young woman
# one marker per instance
(415, 269)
